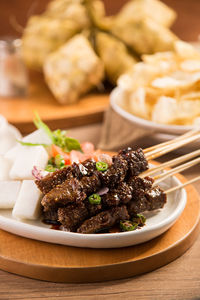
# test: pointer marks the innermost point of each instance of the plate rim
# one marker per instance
(28, 230)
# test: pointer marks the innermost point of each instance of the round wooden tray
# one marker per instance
(20, 111)
(59, 263)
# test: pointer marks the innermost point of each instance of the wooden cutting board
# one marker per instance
(59, 263)
(20, 111)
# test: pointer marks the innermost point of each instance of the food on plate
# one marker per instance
(164, 87)
(110, 51)
(27, 205)
(76, 188)
(73, 69)
(36, 155)
(9, 192)
(95, 196)
(29, 156)
(4, 167)
(8, 135)
(118, 40)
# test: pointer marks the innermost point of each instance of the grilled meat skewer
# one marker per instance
(71, 191)
(152, 199)
(138, 195)
(50, 181)
(104, 220)
(65, 192)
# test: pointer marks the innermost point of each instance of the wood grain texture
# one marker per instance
(20, 111)
(59, 263)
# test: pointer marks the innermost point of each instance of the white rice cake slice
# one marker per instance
(9, 193)
(5, 166)
(27, 158)
(36, 137)
(13, 153)
(27, 205)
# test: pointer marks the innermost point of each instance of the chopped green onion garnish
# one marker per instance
(50, 168)
(94, 199)
(31, 144)
(101, 166)
(59, 161)
(128, 226)
(51, 161)
(140, 219)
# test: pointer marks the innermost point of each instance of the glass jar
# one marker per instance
(13, 73)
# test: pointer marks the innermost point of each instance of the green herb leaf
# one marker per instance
(41, 125)
(65, 142)
(59, 161)
(50, 168)
(72, 144)
(31, 144)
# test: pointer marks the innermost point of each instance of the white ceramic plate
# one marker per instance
(142, 123)
(157, 223)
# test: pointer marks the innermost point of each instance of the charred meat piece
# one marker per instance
(51, 217)
(53, 179)
(138, 183)
(70, 191)
(86, 168)
(115, 173)
(104, 220)
(90, 184)
(72, 216)
(67, 192)
(136, 160)
(150, 199)
(76, 170)
(93, 209)
(120, 195)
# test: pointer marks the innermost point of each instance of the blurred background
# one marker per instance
(186, 26)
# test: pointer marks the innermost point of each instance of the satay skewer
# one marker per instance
(181, 137)
(170, 163)
(175, 188)
(172, 146)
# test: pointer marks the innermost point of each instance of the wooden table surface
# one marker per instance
(177, 280)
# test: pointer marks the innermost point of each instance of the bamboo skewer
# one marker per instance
(159, 146)
(170, 163)
(177, 144)
(175, 188)
(173, 171)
